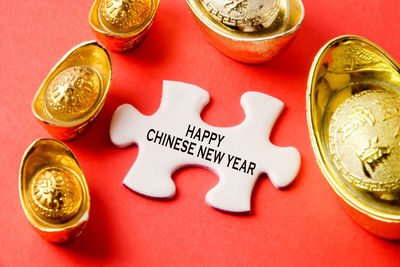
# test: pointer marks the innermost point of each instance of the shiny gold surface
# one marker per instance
(353, 113)
(364, 140)
(124, 16)
(122, 24)
(55, 194)
(73, 93)
(250, 31)
(53, 191)
(247, 15)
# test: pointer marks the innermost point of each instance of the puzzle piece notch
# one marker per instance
(195, 99)
(181, 106)
(261, 112)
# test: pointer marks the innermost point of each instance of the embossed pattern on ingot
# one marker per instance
(124, 15)
(352, 57)
(55, 194)
(72, 93)
(364, 139)
(243, 13)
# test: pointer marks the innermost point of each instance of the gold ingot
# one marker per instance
(73, 93)
(353, 115)
(122, 24)
(249, 31)
(53, 191)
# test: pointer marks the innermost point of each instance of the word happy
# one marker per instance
(193, 148)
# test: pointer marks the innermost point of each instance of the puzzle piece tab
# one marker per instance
(176, 136)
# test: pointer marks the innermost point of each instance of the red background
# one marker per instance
(303, 225)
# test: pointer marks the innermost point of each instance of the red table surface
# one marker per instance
(304, 225)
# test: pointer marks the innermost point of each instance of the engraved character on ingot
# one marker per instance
(72, 92)
(358, 117)
(55, 194)
(238, 5)
(364, 133)
(373, 155)
(390, 107)
(244, 15)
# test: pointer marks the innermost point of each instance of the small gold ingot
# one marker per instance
(122, 24)
(249, 31)
(53, 191)
(73, 93)
(353, 114)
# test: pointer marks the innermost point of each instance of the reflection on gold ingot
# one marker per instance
(248, 16)
(353, 114)
(55, 194)
(53, 191)
(364, 140)
(74, 92)
(250, 31)
(122, 24)
(123, 16)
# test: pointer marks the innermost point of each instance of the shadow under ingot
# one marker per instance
(53, 191)
(122, 24)
(353, 115)
(73, 93)
(250, 31)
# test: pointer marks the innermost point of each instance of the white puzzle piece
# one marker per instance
(176, 136)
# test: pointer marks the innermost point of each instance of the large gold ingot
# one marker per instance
(53, 191)
(73, 93)
(353, 114)
(250, 31)
(122, 24)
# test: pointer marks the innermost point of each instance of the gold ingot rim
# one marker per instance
(292, 24)
(365, 214)
(88, 54)
(98, 27)
(41, 154)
